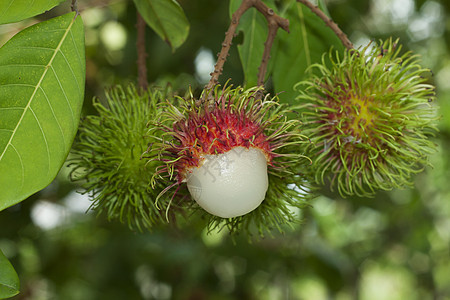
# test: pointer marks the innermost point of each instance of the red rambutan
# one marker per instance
(225, 149)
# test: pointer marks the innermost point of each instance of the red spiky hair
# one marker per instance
(233, 118)
(217, 129)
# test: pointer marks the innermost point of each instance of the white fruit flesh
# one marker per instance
(230, 184)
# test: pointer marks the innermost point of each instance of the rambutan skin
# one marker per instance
(106, 157)
(236, 118)
(231, 118)
(216, 130)
(369, 116)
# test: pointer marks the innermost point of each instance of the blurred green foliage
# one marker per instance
(394, 246)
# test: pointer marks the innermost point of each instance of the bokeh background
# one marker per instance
(393, 246)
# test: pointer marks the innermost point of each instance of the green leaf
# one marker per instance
(308, 40)
(9, 281)
(42, 72)
(166, 18)
(17, 10)
(254, 26)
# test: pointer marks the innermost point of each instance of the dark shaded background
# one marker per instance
(394, 246)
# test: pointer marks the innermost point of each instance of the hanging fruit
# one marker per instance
(369, 116)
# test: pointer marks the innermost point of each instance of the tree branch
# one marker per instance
(273, 21)
(73, 6)
(226, 45)
(141, 53)
(330, 23)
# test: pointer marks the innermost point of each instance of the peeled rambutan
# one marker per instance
(236, 153)
(369, 115)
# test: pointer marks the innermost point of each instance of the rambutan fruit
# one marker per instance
(239, 157)
(237, 153)
(106, 157)
(369, 115)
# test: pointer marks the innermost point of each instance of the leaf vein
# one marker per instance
(65, 95)
(12, 108)
(161, 24)
(21, 166)
(71, 70)
(38, 85)
(36, 47)
(80, 87)
(56, 119)
(45, 139)
(76, 47)
(18, 84)
(9, 5)
(23, 65)
(28, 7)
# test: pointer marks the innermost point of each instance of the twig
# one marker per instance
(73, 6)
(223, 54)
(274, 22)
(339, 33)
(141, 53)
(262, 70)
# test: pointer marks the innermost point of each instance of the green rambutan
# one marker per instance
(369, 116)
(106, 157)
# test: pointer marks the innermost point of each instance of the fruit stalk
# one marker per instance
(274, 22)
(330, 23)
(141, 53)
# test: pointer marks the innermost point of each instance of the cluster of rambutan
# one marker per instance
(364, 126)
(237, 154)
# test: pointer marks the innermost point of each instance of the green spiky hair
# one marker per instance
(185, 129)
(121, 159)
(369, 116)
(106, 157)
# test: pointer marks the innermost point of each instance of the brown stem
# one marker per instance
(73, 6)
(330, 23)
(141, 53)
(273, 20)
(273, 28)
(223, 54)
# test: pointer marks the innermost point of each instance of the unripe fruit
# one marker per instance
(369, 116)
(106, 157)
